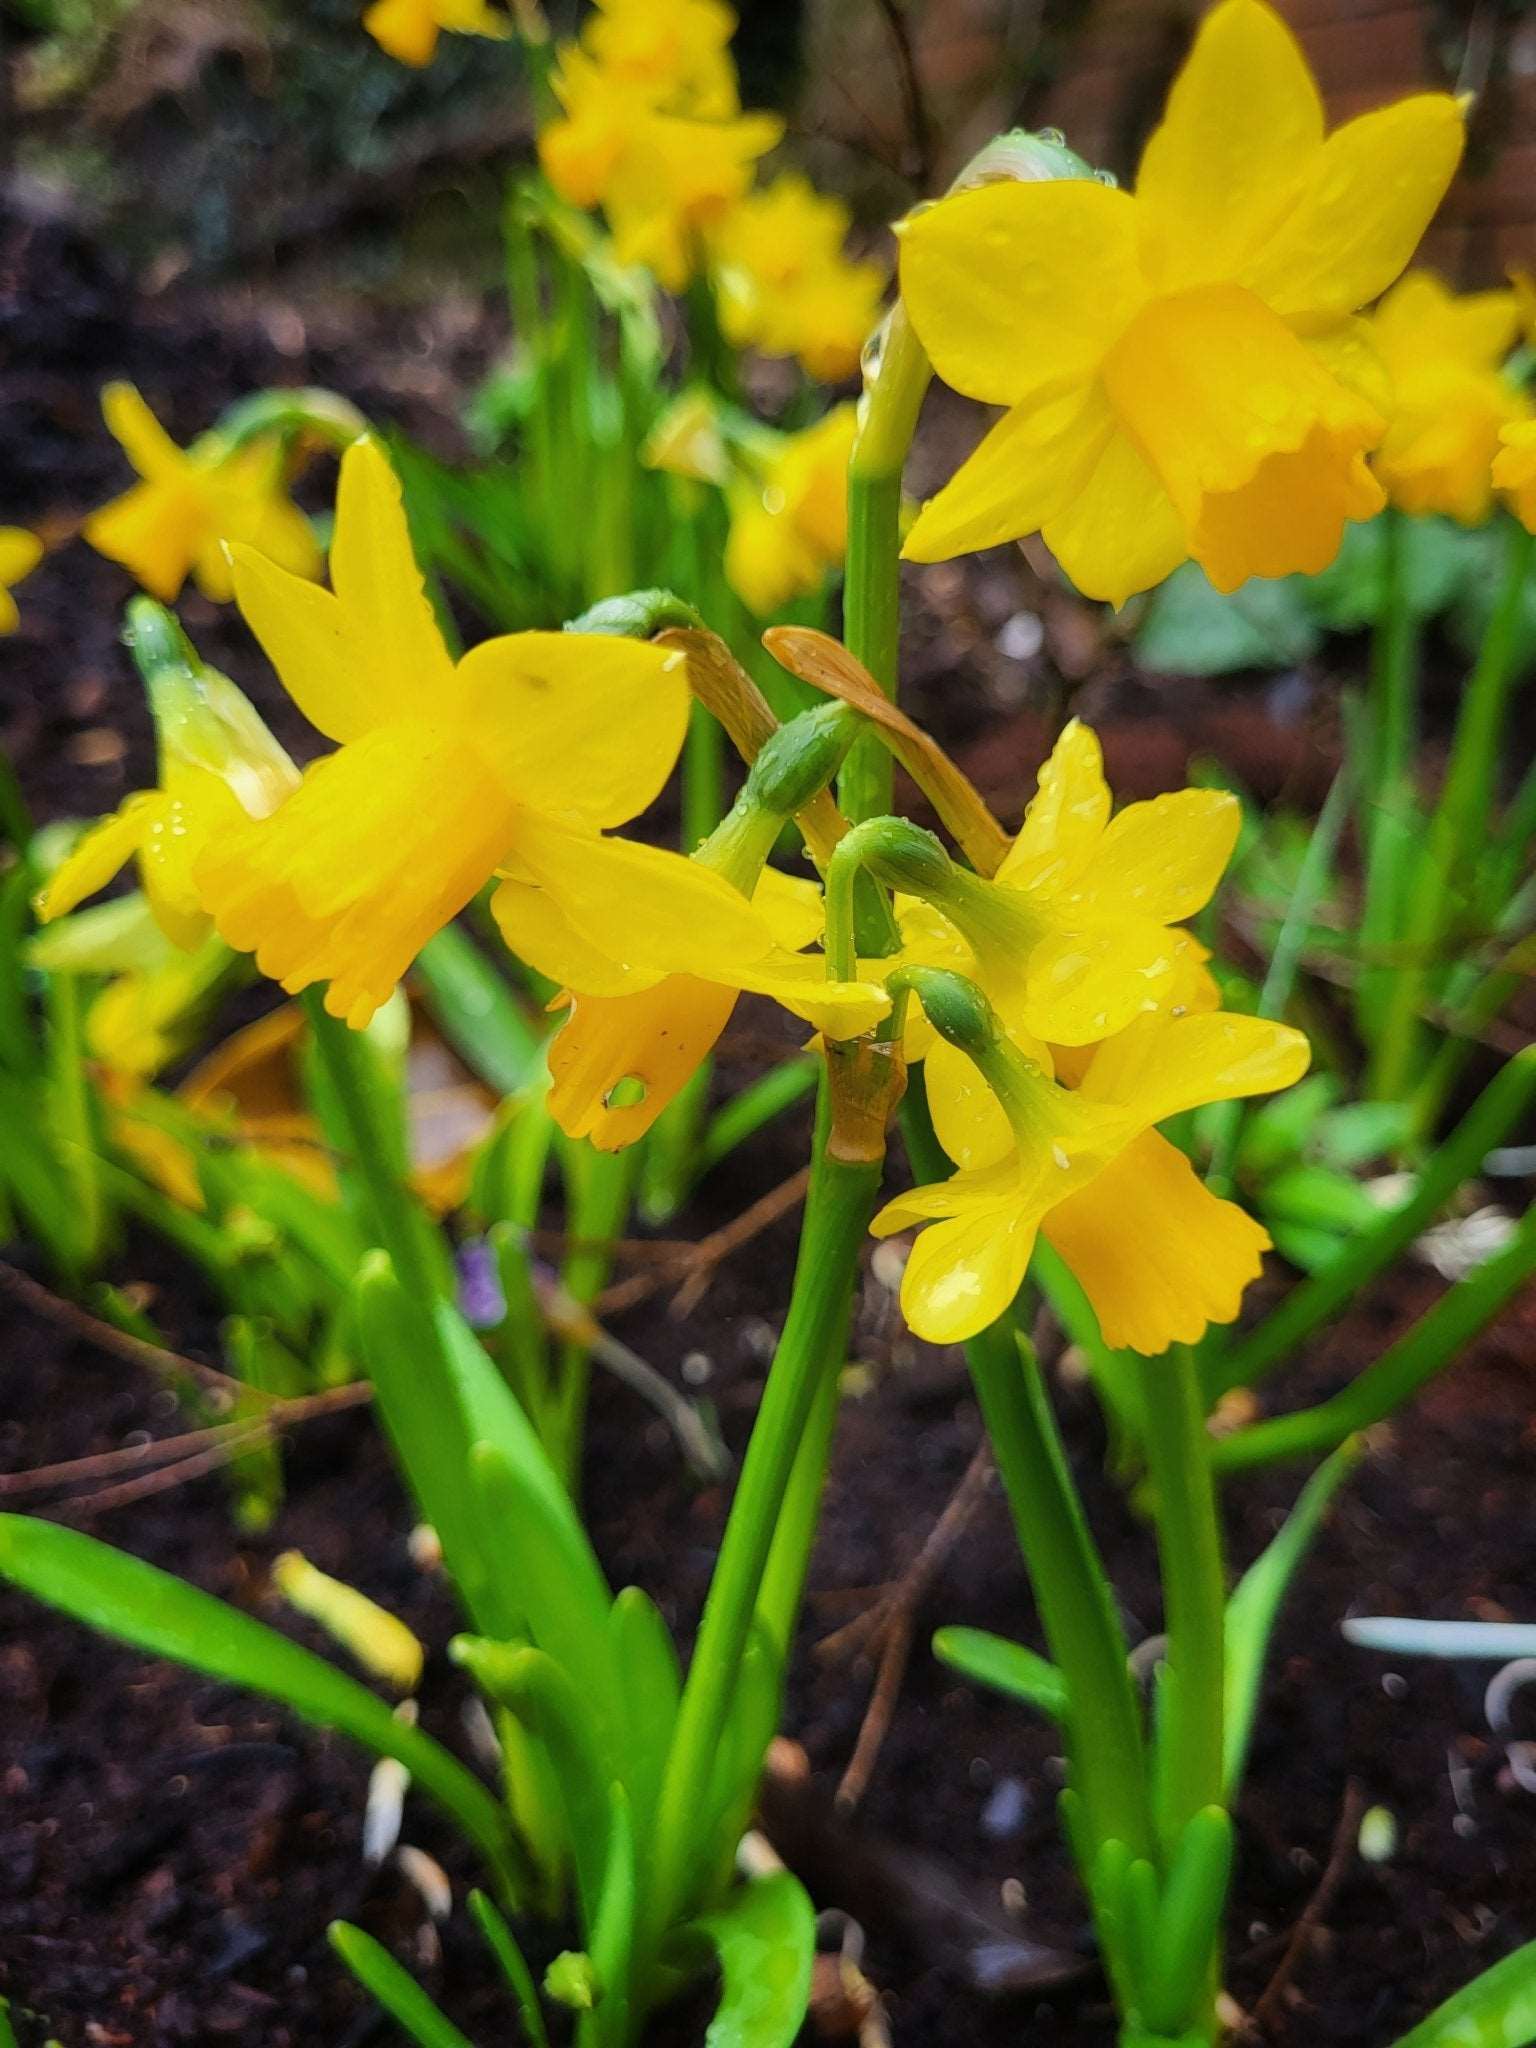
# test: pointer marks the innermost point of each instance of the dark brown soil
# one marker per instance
(170, 1851)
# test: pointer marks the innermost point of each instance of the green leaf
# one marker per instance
(395, 1989)
(765, 1937)
(1189, 1917)
(1254, 1603)
(1005, 1666)
(1496, 2010)
(476, 1011)
(612, 1938)
(652, 1688)
(1440, 561)
(142, 1605)
(1190, 628)
(513, 1965)
(1319, 1198)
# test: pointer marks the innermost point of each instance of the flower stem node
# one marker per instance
(637, 615)
(866, 1079)
(801, 758)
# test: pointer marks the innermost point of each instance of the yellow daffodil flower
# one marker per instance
(620, 1058)
(190, 502)
(1157, 1254)
(1076, 934)
(20, 553)
(676, 57)
(786, 288)
(220, 768)
(789, 515)
(1442, 353)
(408, 29)
(1180, 366)
(661, 179)
(1514, 471)
(523, 751)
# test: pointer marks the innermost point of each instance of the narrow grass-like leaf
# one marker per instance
(1496, 2010)
(513, 1965)
(1255, 1603)
(395, 1989)
(1004, 1666)
(477, 1012)
(142, 1605)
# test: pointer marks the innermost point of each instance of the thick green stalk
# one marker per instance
(1398, 1374)
(1385, 789)
(1457, 830)
(1106, 1745)
(1190, 1736)
(896, 377)
(813, 1347)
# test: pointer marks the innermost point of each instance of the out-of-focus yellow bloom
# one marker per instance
(219, 768)
(662, 179)
(687, 439)
(191, 501)
(1181, 367)
(525, 750)
(622, 1056)
(1442, 352)
(785, 286)
(409, 29)
(1157, 1254)
(675, 56)
(789, 515)
(20, 553)
(379, 1640)
(1076, 934)
(1514, 471)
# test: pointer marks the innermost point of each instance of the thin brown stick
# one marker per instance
(159, 1358)
(893, 1622)
(694, 1264)
(1345, 1837)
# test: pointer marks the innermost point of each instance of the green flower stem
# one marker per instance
(1386, 787)
(1459, 825)
(1431, 1344)
(812, 1348)
(1464, 1028)
(1190, 1734)
(393, 1219)
(896, 378)
(1106, 1744)
(1308, 1306)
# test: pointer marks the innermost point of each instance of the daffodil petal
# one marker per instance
(140, 435)
(155, 531)
(1158, 1255)
(968, 1119)
(1120, 533)
(97, 856)
(1161, 859)
(1027, 471)
(406, 30)
(963, 1274)
(374, 574)
(1015, 288)
(654, 1041)
(1242, 129)
(1066, 816)
(647, 909)
(1081, 985)
(1165, 1065)
(1375, 185)
(791, 906)
(586, 726)
(306, 636)
(536, 928)
(20, 553)
(838, 1009)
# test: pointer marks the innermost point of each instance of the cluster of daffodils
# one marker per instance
(513, 766)
(652, 131)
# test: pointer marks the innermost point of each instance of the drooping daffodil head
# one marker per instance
(409, 29)
(1181, 366)
(175, 522)
(662, 179)
(1063, 1144)
(20, 553)
(1449, 399)
(785, 286)
(219, 769)
(789, 514)
(1514, 471)
(1078, 932)
(524, 751)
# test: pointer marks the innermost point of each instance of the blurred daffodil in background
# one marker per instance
(175, 522)
(409, 29)
(1449, 398)
(1514, 470)
(1181, 367)
(785, 286)
(789, 512)
(676, 56)
(20, 553)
